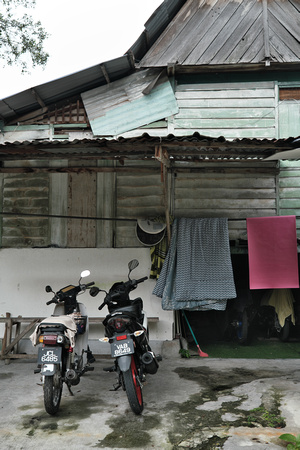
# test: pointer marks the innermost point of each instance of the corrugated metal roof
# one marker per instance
(186, 148)
(221, 32)
(90, 78)
(134, 101)
(182, 32)
(69, 86)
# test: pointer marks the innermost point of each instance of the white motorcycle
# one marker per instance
(64, 355)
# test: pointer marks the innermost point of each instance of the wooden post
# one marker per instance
(7, 336)
(162, 156)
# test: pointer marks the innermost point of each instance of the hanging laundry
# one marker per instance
(197, 272)
(272, 252)
(283, 302)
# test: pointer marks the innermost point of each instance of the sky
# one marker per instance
(83, 33)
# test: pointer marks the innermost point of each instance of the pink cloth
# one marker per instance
(272, 252)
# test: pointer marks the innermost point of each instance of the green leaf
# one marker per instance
(288, 437)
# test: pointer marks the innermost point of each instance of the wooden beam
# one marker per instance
(18, 337)
(38, 98)
(32, 115)
(152, 85)
(79, 169)
(105, 74)
(162, 155)
(266, 31)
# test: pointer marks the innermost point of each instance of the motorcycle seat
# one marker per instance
(135, 308)
(53, 327)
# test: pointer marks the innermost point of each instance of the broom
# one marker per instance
(200, 352)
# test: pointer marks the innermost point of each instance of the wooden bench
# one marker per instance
(10, 344)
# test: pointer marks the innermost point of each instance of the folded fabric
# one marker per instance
(197, 272)
(66, 320)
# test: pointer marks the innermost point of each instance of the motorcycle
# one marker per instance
(126, 330)
(64, 355)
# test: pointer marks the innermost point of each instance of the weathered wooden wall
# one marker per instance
(139, 194)
(29, 194)
(289, 190)
(230, 110)
(232, 189)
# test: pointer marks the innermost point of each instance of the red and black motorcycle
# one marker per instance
(126, 329)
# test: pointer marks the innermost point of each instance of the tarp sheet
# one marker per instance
(272, 252)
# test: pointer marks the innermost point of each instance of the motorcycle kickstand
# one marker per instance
(116, 387)
(119, 384)
(70, 390)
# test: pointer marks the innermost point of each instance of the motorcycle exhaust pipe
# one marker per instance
(149, 360)
(72, 377)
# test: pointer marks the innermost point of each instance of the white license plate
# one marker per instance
(120, 348)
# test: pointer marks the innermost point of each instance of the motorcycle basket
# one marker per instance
(81, 322)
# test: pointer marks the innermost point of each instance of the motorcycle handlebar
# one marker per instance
(53, 300)
(141, 280)
(58, 297)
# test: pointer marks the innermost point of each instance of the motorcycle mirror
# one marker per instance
(132, 265)
(85, 273)
(48, 289)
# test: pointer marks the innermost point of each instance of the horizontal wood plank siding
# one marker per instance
(289, 190)
(231, 110)
(27, 194)
(139, 195)
(236, 196)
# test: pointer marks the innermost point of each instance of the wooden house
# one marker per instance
(187, 123)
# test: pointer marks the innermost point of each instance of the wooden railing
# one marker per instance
(10, 341)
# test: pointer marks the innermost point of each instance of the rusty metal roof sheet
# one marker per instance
(186, 148)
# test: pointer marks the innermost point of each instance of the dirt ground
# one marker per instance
(196, 403)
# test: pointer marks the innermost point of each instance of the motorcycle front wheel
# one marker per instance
(133, 388)
(52, 393)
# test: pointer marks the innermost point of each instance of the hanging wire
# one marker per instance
(58, 216)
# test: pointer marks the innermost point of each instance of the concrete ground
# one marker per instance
(196, 403)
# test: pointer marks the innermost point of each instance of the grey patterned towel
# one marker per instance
(197, 273)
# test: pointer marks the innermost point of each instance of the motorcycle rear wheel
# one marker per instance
(133, 388)
(52, 394)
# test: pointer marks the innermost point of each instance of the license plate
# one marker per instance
(48, 355)
(121, 348)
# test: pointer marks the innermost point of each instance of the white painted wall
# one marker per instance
(24, 273)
